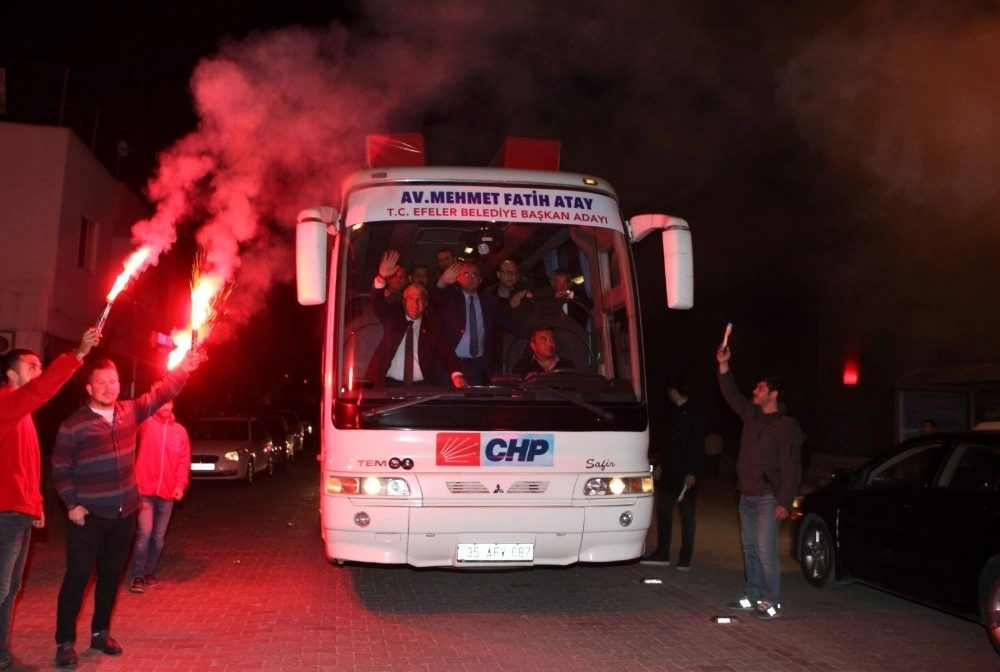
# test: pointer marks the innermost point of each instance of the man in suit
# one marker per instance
(471, 332)
(429, 352)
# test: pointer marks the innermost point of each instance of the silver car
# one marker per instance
(231, 448)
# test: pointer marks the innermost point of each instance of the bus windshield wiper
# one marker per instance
(389, 408)
(596, 410)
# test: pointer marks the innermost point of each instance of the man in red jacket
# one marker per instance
(23, 390)
(162, 470)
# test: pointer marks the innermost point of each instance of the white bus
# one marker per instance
(551, 470)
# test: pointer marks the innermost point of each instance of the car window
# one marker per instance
(275, 425)
(257, 431)
(221, 430)
(906, 469)
(972, 466)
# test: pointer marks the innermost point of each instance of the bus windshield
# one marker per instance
(573, 280)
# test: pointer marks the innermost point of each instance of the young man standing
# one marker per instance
(93, 468)
(162, 471)
(767, 475)
(679, 470)
(25, 387)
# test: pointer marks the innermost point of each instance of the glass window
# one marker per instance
(906, 469)
(86, 254)
(595, 330)
(972, 466)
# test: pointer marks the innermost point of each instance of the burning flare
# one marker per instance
(132, 266)
(207, 292)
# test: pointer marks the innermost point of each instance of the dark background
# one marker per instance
(837, 161)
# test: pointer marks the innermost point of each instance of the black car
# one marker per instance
(284, 436)
(921, 521)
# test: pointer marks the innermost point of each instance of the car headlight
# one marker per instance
(232, 456)
(373, 486)
(618, 485)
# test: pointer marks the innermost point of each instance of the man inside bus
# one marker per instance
(413, 350)
(395, 284)
(420, 275)
(445, 258)
(561, 293)
(469, 319)
(511, 291)
(542, 357)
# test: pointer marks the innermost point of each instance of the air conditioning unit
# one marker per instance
(6, 342)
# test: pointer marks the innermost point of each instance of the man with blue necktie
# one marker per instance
(469, 318)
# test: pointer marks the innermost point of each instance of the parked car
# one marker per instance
(284, 437)
(298, 427)
(231, 448)
(921, 521)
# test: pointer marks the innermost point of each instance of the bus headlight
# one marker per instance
(373, 486)
(618, 485)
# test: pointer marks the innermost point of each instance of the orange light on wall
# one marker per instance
(850, 373)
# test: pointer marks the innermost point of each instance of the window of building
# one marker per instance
(86, 256)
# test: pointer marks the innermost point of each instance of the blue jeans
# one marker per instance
(15, 533)
(759, 530)
(153, 519)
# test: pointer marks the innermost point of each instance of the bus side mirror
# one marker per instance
(311, 230)
(678, 255)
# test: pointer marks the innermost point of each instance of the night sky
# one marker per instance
(837, 161)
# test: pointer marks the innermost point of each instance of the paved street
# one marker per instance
(245, 585)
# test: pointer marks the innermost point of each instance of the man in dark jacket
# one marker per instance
(678, 472)
(767, 475)
(432, 359)
(469, 319)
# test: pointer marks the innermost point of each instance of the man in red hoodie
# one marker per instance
(23, 390)
(162, 469)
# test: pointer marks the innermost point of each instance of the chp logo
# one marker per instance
(473, 449)
(457, 449)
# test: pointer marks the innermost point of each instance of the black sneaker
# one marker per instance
(767, 610)
(66, 655)
(150, 580)
(655, 560)
(136, 586)
(105, 643)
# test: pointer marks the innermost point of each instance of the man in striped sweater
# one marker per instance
(93, 468)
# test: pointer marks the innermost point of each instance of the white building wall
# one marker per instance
(49, 181)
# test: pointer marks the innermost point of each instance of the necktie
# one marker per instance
(473, 330)
(408, 354)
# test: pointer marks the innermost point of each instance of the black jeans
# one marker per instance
(102, 543)
(667, 490)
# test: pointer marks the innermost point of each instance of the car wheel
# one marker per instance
(989, 600)
(250, 473)
(816, 552)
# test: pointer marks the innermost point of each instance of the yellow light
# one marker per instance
(372, 486)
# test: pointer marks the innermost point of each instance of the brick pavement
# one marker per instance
(245, 586)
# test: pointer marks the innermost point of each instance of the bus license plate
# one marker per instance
(496, 552)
